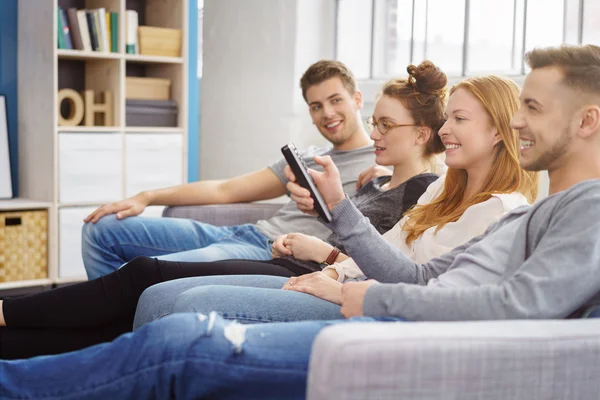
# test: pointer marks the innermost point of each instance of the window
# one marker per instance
(354, 22)
(444, 35)
(200, 38)
(377, 39)
(492, 40)
(545, 23)
(591, 22)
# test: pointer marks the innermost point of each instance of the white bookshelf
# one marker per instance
(43, 70)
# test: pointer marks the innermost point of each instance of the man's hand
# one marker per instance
(373, 172)
(353, 297)
(317, 284)
(328, 182)
(125, 208)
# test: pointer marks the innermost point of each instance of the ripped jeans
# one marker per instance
(182, 356)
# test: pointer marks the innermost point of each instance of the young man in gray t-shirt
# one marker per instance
(110, 239)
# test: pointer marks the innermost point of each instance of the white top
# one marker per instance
(474, 221)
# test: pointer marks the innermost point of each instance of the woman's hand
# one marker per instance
(328, 182)
(302, 247)
(317, 284)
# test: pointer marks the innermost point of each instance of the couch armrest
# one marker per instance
(224, 214)
(494, 360)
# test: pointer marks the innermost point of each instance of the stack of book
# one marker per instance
(88, 30)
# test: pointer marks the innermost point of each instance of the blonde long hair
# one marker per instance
(500, 98)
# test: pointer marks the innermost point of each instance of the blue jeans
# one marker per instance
(183, 356)
(246, 298)
(110, 243)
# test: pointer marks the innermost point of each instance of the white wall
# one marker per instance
(254, 54)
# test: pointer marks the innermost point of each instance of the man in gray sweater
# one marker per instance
(541, 261)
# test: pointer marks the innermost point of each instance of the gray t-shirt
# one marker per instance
(289, 219)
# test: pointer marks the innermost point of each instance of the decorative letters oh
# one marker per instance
(97, 112)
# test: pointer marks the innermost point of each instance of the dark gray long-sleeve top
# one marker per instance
(540, 261)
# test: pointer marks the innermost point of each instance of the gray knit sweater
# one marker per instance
(541, 261)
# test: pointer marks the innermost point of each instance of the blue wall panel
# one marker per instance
(8, 78)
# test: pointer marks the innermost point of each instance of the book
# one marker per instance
(75, 30)
(84, 30)
(108, 30)
(92, 30)
(60, 33)
(96, 19)
(114, 31)
(103, 30)
(131, 46)
(66, 30)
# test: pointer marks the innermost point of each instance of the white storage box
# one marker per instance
(90, 167)
(152, 161)
(70, 220)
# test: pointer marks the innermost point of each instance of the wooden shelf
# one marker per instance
(143, 129)
(86, 55)
(23, 204)
(99, 55)
(88, 129)
(21, 284)
(140, 58)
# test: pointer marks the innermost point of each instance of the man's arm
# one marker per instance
(259, 185)
(379, 259)
(562, 273)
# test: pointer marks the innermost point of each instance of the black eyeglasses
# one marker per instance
(382, 126)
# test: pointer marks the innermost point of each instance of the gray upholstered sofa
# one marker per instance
(496, 360)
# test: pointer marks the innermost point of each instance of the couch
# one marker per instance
(491, 360)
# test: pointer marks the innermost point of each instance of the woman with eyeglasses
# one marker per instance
(405, 130)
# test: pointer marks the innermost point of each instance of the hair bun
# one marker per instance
(427, 78)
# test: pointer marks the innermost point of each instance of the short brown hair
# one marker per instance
(579, 64)
(326, 69)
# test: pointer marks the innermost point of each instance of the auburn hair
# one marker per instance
(500, 98)
(423, 94)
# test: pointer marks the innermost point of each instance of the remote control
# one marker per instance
(304, 179)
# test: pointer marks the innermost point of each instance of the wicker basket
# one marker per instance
(23, 245)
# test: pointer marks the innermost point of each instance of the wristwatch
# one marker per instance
(332, 256)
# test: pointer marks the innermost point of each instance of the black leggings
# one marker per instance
(80, 315)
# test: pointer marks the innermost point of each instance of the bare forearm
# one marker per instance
(195, 193)
(259, 185)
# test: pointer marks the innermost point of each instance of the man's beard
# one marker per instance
(543, 162)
